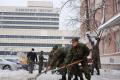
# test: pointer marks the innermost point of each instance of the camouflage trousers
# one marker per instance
(63, 72)
(40, 67)
(95, 65)
(31, 66)
(77, 71)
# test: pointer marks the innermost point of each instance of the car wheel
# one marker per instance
(6, 67)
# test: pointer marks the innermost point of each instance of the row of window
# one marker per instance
(32, 23)
(29, 44)
(30, 37)
(69, 37)
(28, 27)
(7, 53)
(29, 14)
(15, 53)
(34, 37)
(29, 18)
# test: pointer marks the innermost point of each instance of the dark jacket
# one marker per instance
(41, 58)
(32, 56)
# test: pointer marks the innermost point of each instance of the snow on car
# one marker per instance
(7, 65)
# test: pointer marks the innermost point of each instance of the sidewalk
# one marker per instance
(107, 75)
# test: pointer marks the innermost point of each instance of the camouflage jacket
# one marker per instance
(51, 56)
(79, 53)
(59, 57)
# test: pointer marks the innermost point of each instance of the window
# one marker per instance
(29, 27)
(117, 5)
(29, 44)
(29, 14)
(68, 45)
(7, 53)
(29, 18)
(98, 3)
(69, 37)
(30, 37)
(32, 23)
(117, 41)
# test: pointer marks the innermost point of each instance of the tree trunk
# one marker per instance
(87, 15)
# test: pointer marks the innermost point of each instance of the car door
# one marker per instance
(1, 63)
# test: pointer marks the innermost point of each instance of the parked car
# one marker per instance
(19, 65)
(7, 65)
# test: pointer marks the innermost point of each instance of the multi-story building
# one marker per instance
(35, 26)
(32, 17)
(107, 17)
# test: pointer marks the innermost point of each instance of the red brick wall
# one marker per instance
(101, 47)
(110, 9)
(109, 43)
(106, 47)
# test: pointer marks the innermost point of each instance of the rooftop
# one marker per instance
(44, 4)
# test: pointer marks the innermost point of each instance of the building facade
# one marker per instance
(35, 26)
(31, 17)
(103, 12)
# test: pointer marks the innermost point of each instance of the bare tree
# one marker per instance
(72, 10)
(87, 21)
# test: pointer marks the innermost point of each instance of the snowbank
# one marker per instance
(24, 75)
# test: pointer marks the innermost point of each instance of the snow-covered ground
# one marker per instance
(24, 75)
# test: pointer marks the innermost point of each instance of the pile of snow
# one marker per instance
(49, 76)
(24, 75)
(15, 75)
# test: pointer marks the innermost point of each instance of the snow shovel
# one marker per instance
(76, 62)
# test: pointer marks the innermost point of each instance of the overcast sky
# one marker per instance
(56, 3)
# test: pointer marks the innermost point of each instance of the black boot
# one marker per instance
(76, 78)
(81, 79)
(69, 78)
(91, 73)
(63, 78)
(98, 72)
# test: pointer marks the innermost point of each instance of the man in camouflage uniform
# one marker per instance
(95, 54)
(51, 56)
(80, 52)
(41, 58)
(57, 60)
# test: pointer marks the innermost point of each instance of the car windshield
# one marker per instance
(12, 60)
